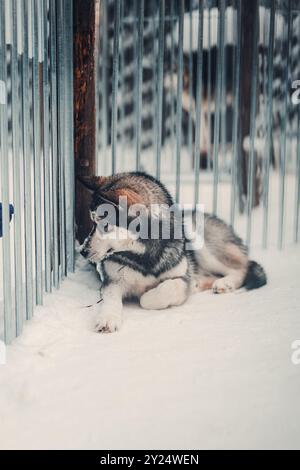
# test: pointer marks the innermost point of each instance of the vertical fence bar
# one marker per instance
(31, 162)
(6, 248)
(61, 136)
(139, 82)
(37, 154)
(209, 88)
(159, 102)
(297, 188)
(235, 130)
(284, 131)
(135, 101)
(27, 165)
(221, 20)
(179, 99)
(154, 67)
(198, 102)
(269, 125)
(172, 58)
(122, 85)
(191, 110)
(46, 151)
(54, 139)
(19, 293)
(252, 152)
(115, 84)
(224, 96)
(104, 92)
(69, 188)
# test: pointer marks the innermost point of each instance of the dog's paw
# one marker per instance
(108, 322)
(223, 286)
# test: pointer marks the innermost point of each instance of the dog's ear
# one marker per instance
(92, 183)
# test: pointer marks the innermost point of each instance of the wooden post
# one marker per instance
(84, 107)
(248, 22)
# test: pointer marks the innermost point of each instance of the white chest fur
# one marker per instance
(134, 283)
(131, 282)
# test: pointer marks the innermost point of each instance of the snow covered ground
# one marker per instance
(215, 373)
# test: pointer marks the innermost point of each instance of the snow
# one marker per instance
(214, 373)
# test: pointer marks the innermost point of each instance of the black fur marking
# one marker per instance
(255, 277)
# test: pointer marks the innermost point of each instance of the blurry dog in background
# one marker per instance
(158, 272)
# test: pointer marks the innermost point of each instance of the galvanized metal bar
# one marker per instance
(61, 137)
(139, 82)
(179, 98)
(27, 165)
(284, 131)
(191, 98)
(122, 85)
(115, 85)
(297, 187)
(172, 58)
(160, 72)
(37, 155)
(46, 152)
(16, 154)
(54, 138)
(69, 189)
(104, 89)
(224, 97)
(134, 20)
(235, 130)
(252, 155)
(154, 21)
(269, 136)
(6, 248)
(209, 156)
(198, 102)
(218, 105)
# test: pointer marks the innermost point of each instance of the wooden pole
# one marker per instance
(84, 107)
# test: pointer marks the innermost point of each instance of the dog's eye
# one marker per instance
(108, 228)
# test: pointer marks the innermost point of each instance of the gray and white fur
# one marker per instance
(159, 273)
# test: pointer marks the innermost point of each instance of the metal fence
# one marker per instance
(36, 166)
(172, 100)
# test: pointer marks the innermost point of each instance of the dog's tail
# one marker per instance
(256, 276)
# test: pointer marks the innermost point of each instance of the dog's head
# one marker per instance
(120, 204)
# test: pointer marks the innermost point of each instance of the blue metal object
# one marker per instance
(11, 213)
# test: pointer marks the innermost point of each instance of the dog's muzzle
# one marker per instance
(84, 252)
(85, 248)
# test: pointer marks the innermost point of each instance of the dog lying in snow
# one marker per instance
(159, 272)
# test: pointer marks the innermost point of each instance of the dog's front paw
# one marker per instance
(223, 286)
(108, 322)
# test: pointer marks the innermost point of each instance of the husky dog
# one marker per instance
(157, 272)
